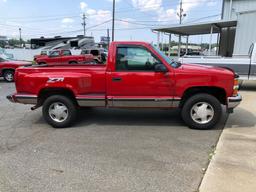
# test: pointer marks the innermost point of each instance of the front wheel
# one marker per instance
(9, 75)
(59, 111)
(201, 111)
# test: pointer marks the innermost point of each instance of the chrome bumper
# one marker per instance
(24, 99)
(233, 102)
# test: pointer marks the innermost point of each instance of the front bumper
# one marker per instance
(24, 99)
(233, 102)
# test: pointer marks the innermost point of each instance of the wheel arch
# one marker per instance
(47, 92)
(72, 61)
(217, 92)
(7, 69)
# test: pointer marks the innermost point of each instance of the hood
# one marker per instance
(205, 69)
(21, 63)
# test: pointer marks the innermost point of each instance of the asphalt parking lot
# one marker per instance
(107, 150)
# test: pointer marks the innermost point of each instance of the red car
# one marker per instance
(137, 75)
(8, 67)
(42, 54)
(63, 57)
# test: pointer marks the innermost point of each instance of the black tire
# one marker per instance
(8, 75)
(188, 112)
(41, 63)
(73, 62)
(65, 101)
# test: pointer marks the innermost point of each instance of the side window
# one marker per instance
(66, 53)
(95, 52)
(135, 59)
(55, 54)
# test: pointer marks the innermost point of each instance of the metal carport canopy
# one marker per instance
(198, 28)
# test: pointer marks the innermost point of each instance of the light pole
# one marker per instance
(181, 16)
(20, 37)
(113, 20)
(84, 24)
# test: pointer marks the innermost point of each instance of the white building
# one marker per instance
(237, 40)
(236, 29)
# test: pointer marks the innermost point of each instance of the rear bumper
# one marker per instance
(24, 99)
(233, 102)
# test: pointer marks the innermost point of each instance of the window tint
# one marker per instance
(55, 53)
(66, 53)
(135, 59)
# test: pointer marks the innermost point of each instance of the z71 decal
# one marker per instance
(56, 79)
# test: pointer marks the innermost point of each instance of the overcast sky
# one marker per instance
(135, 18)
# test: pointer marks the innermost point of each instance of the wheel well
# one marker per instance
(7, 70)
(217, 92)
(72, 62)
(45, 93)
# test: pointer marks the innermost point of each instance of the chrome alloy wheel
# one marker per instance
(202, 113)
(9, 77)
(58, 112)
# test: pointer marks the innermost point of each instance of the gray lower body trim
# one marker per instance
(91, 102)
(144, 102)
(24, 99)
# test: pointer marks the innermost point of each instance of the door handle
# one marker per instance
(116, 79)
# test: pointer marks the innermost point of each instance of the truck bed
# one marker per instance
(81, 79)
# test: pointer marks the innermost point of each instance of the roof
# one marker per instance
(198, 28)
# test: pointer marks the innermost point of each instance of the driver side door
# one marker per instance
(134, 83)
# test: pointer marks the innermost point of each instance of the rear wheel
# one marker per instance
(59, 111)
(201, 111)
(8, 75)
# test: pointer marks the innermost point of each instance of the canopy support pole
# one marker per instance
(210, 44)
(158, 40)
(170, 42)
(187, 45)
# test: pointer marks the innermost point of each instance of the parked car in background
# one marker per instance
(8, 67)
(137, 75)
(245, 66)
(63, 57)
(42, 54)
(99, 55)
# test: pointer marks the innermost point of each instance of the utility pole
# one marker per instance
(113, 20)
(84, 23)
(181, 16)
(20, 37)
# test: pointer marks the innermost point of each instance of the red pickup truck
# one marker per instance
(137, 75)
(8, 67)
(63, 57)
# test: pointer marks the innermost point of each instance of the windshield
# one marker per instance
(166, 58)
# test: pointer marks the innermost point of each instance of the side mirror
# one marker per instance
(160, 68)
